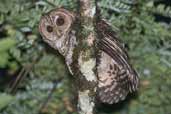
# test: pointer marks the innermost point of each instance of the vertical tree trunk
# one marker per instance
(86, 58)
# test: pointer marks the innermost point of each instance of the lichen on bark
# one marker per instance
(85, 57)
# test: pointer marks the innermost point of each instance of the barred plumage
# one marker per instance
(116, 76)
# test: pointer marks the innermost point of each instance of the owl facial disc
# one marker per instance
(55, 26)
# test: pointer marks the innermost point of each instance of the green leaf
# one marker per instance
(5, 100)
(6, 44)
(4, 57)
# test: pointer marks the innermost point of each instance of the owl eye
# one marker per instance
(49, 29)
(60, 21)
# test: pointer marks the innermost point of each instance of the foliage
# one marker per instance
(147, 41)
(5, 100)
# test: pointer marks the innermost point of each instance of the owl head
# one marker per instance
(55, 27)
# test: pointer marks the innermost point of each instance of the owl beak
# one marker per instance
(58, 32)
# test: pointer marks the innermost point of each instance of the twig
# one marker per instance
(23, 73)
(44, 104)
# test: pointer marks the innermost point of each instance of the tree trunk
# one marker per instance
(85, 57)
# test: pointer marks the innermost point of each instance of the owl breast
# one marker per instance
(70, 48)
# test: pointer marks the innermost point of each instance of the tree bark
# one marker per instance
(85, 57)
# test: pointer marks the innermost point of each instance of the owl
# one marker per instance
(116, 76)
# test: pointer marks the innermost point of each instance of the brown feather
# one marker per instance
(116, 75)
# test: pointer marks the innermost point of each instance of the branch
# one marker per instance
(86, 79)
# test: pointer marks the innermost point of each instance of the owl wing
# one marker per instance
(116, 76)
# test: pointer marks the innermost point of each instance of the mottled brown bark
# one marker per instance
(85, 59)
